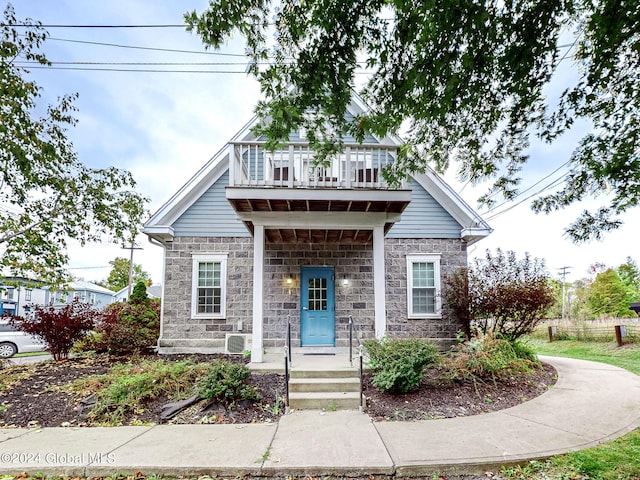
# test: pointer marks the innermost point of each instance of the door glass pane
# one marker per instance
(317, 293)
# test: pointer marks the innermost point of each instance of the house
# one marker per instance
(17, 294)
(86, 292)
(260, 240)
(122, 295)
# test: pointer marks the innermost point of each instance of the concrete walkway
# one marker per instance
(590, 404)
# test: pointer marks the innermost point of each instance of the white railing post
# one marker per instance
(290, 166)
(232, 165)
(347, 167)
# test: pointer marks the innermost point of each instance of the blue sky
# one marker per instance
(164, 126)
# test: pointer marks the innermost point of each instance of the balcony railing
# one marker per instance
(359, 166)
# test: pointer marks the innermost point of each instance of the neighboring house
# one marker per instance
(86, 292)
(257, 239)
(17, 294)
(122, 295)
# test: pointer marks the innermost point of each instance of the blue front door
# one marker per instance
(317, 309)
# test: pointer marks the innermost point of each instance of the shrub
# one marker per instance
(489, 358)
(455, 293)
(508, 297)
(227, 383)
(139, 294)
(128, 328)
(128, 387)
(59, 328)
(398, 364)
(523, 351)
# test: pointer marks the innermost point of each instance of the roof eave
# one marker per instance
(473, 235)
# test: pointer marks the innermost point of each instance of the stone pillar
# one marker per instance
(258, 289)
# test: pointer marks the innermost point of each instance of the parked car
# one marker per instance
(14, 341)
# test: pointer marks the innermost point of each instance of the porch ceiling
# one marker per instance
(304, 235)
(312, 205)
(389, 204)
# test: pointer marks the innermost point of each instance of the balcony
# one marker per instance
(304, 202)
(360, 166)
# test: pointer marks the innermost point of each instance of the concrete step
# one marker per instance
(324, 400)
(321, 373)
(324, 385)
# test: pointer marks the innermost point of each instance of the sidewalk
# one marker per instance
(590, 404)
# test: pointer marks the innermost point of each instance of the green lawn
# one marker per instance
(627, 356)
(30, 354)
(616, 460)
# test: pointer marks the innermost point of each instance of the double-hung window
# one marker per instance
(423, 286)
(208, 296)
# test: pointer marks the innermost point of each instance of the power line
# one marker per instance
(52, 25)
(87, 268)
(172, 50)
(28, 64)
(141, 70)
(551, 185)
(147, 70)
(531, 186)
(155, 49)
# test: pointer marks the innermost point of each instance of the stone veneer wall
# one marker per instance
(282, 301)
(453, 256)
(179, 330)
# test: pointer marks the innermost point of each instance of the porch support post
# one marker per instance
(258, 279)
(378, 281)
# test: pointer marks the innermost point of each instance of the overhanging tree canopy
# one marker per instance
(464, 81)
(47, 195)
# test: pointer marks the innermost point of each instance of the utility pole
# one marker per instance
(131, 248)
(564, 275)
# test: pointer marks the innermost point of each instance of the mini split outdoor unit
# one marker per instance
(237, 343)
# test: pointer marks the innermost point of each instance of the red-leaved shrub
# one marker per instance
(59, 327)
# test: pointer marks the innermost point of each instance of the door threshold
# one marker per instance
(317, 350)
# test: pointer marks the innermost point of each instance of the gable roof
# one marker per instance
(78, 285)
(159, 225)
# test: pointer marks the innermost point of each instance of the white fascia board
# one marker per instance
(473, 235)
(162, 233)
(320, 220)
(347, 195)
(451, 201)
(190, 191)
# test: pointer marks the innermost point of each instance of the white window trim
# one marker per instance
(208, 257)
(435, 259)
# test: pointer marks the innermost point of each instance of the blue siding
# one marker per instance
(294, 136)
(425, 218)
(211, 215)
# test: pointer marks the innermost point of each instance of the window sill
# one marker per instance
(427, 316)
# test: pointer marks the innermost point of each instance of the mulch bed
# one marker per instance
(34, 400)
(459, 399)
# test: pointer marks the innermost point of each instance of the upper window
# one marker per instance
(423, 286)
(27, 295)
(208, 295)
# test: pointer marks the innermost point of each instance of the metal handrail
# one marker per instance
(287, 362)
(352, 329)
(361, 354)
